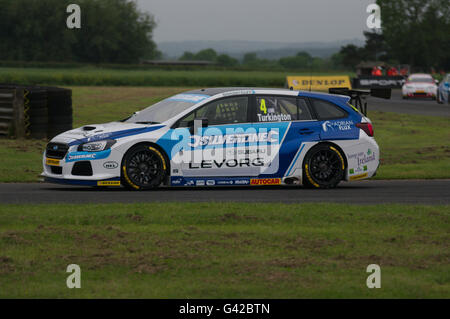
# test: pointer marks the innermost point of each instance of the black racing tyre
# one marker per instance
(143, 167)
(62, 111)
(55, 120)
(38, 131)
(41, 120)
(55, 129)
(323, 167)
(36, 94)
(40, 112)
(38, 104)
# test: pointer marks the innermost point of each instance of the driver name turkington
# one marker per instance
(274, 117)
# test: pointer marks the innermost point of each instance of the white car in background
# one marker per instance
(419, 85)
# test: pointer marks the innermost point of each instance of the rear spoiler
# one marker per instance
(358, 97)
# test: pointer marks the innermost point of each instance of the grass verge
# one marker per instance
(148, 77)
(412, 146)
(224, 250)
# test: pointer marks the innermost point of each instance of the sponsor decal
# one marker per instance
(108, 183)
(265, 181)
(230, 182)
(352, 178)
(110, 165)
(274, 117)
(192, 98)
(176, 181)
(238, 92)
(362, 158)
(181, 181)
(243, 162)
(368, 81)
(264, 137)
(321, 83)
(229, 148)
(344, 125)
(52, 162)
(86, 156)
(241, 182)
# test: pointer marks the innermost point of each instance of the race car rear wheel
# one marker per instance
(143, 167)
(323, 167)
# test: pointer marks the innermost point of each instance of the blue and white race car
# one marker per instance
(443, 92)
(220, 137)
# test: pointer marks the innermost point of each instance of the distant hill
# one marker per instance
(268, 50)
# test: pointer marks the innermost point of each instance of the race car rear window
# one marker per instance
(278, 109)
(326, 110)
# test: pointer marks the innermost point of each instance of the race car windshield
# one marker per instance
(166, 109)
(418, 80)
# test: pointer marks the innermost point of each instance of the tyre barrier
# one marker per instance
(47, 110)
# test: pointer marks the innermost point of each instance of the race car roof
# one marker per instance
(219, 90)
(214, 91)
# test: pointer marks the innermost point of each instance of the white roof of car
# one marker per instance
(420, 75)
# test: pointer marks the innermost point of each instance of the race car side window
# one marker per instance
(327, 111)
(281, 108)
(276, 109)
(224, 111)
(304, 113)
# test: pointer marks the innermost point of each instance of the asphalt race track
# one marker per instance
(361, 192)
(418, 106)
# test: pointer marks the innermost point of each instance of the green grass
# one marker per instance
(148, 77)
(224, 250)
(412, 146)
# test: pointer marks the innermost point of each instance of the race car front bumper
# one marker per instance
(100, 168)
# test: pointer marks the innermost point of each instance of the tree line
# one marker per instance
(301, 61)
(414, 32)
(112, 31)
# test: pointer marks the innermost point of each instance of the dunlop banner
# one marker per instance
(318, 83)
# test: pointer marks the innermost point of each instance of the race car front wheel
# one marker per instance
(323, 167)
(143, 167)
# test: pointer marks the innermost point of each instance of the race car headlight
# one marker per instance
(96, 146)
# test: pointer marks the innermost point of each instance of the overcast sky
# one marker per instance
(261, 20)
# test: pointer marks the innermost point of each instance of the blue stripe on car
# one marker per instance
(116, 135)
